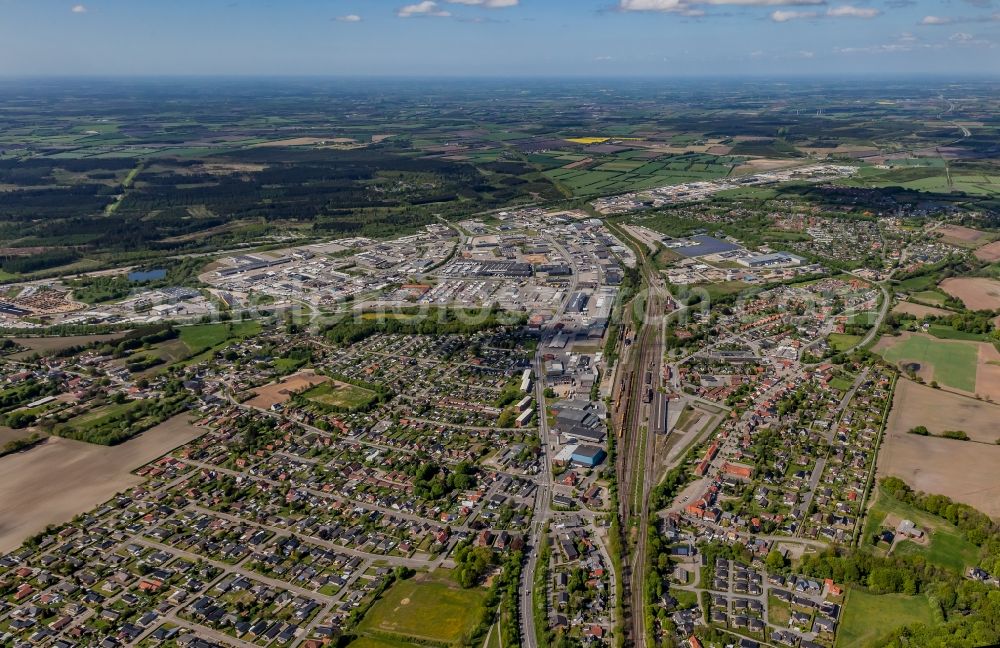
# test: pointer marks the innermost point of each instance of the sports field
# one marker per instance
(428, 607)
(949, 362)
(868, 617)
(279, 392)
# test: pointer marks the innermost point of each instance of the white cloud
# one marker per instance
(951, 20)
(489, 4)
(762, 3)
(964, 39)
(785, 16)
(841, 11)
(650, 5)
(688, 7)
(79, 9)
(349, 18)
(850, 11)
(907, 42)
(425, 8)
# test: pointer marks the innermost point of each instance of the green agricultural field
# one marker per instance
(341, 394)
(947, 548)
(977, 185)
(204, 336)
(949, 333)
(919, 282)
(748, 193)
(722, 288)
(171, 351)
(619, 166)
(954, 362)
(868, 616)
(650, 168)
(843, 341)
(428, 607)
(932, 297)
(619, 174)
(973, 184)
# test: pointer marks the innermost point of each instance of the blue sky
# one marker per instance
(500, 37)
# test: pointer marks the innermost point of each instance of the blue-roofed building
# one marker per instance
(588, 456)
(701, 245)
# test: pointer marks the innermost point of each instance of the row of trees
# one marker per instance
(437, 322)
(123, 425)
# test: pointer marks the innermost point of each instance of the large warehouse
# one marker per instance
(588, 456)
(777, 259)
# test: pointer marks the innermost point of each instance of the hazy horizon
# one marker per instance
(500, 38)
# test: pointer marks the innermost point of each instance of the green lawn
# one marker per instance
(867, 318)
(932, 297)
(925, 282)
(722, 288)
(341, 394)
(778, 611)
(843, 341)
(101, 414)
(868, 617)
(954, 362)
(203, 336)
(429, 607)
(841, 383)
(287, 365)
(493, 640)
(948, 548)
(379, 642)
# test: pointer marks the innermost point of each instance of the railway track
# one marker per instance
(634, 457)
(633, 470)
